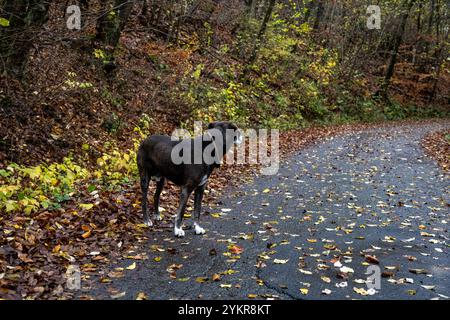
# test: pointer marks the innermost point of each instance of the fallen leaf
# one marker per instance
(418, 271)
(361, 291)
(304, 291)
(132, 266)
(428, 287)
(141, 296)
(372, 259)
(280, 261)
(118, 295)
(235, 249)
(86, 206)
(326, 291)
(201, 279)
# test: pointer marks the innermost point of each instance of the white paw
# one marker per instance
(198, 229)
(157, 217)
(148, 223)
(178, 232)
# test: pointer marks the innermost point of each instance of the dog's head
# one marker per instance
(229, 130)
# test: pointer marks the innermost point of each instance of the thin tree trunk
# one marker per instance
(112, 22)
(319, 14)
(397, 42)
(431, 17)
(439, 57)
(250, 8)
(25, 17)
(259, 37)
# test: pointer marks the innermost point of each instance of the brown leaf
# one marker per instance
(236, 249)
(372, 259)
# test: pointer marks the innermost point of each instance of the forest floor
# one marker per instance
(112, 248)
(362, 198)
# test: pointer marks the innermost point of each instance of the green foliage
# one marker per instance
(294, 80)
(4, 22)
(115, 100)
(46, 186)
(112, 123)
(285, 87)
(72, 83)
(43, 186)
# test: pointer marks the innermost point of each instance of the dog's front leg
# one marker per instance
(197, 208)
(185, 192)
(159, 187)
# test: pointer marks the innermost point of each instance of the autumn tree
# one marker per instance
(19, 22)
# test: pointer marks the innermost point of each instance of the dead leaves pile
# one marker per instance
(437, 145)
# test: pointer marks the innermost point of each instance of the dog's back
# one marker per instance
(154, 158)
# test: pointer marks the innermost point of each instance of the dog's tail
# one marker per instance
(140, 159)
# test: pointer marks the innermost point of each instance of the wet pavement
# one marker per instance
(362, 202)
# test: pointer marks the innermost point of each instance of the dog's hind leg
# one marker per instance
(145, 180)
(144, 188)
(198, 196)
(159, 187)
(185, 193)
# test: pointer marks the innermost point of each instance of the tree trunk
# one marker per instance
(397, 42)
(112, 22)
(319, 14)
(431, 17)
(259, 37)
(25, 18)
(250, 8)
(440, 56)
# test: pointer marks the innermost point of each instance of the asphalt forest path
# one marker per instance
(311, 231)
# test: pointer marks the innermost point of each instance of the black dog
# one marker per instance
(159, 157)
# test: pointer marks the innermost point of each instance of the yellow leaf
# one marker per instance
(304, 291)
(86, 206)
(361, 291)
(201, 279)
(132, 266)
(183, 279)
(86, 234)
(252, 296)
(230, 271)
(4, 22)
(266, 190)
(141, 296)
